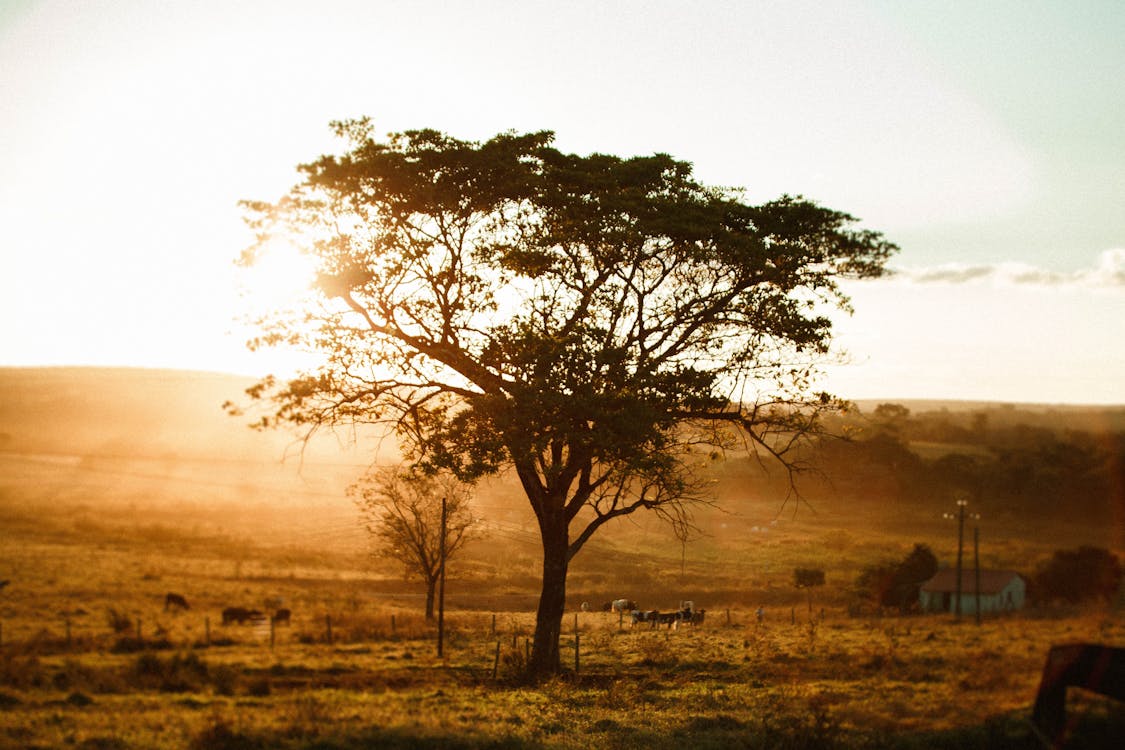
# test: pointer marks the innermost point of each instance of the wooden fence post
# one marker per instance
(728, 617)
(493, 623)
(394, 629)
(328, 628)
(496, 661)
(576, 636)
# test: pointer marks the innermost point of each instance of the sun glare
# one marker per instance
(279, 278)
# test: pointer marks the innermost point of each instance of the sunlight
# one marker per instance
(279, 278)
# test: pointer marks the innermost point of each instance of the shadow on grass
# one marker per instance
(717, 732)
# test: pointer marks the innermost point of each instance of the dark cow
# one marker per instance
(281, 617)
(651, 616)
(671, 619)
(696, 618)
(174, 600)
(240, 615)
(1091, 666)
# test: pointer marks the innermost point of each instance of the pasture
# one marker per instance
(90, 657)
(109, 504)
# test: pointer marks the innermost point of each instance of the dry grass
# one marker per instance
(75, 671)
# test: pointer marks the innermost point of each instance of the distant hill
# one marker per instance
(178, 414)
(1053, 416)
(150, 413)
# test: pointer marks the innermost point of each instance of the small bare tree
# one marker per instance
(402, 511)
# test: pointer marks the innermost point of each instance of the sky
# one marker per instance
(986, 139)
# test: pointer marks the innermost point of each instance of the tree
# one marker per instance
(403, 514)
(807, 578)
(1073, 575)
(600, 325)
(896, 584)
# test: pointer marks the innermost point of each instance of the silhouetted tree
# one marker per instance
(897, 584)
(402, 512)
(1073, 575)
(589, 321)
(808, 578)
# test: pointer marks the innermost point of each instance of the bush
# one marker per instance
(119, 622)
(1075, 575)
(897, 584)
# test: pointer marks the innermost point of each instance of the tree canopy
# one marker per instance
(596, 323)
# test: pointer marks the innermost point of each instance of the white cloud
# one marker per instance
(1109, 271)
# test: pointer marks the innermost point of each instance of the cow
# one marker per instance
(281, 617)
(174, 600)
(696, 618)
(650, 616)
(240, 615)
(1091, 666)
(619, 605)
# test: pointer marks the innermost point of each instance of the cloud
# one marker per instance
(1109, 271)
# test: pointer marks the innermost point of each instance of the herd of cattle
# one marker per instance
(233, 615)
(686, 614)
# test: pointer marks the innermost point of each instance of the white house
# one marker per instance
(1000, 591)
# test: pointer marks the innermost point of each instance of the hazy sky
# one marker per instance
(986, 138)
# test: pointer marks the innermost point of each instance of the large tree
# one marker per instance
(599, 324)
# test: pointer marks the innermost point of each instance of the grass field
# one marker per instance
(357, 667)
(103, 513)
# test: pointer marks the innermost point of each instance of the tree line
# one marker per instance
(982, 454)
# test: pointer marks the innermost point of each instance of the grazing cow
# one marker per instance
(1091, 666)
(671, 619)
(585, 606)
(619, 605)
(174, 600)
(651, 616)
(696, 618)
(281, 617)
(240, 615)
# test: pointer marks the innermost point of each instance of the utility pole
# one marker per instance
(441, 584)
(976, 565)
(961, 504)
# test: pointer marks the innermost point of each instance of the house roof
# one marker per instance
(991, 581)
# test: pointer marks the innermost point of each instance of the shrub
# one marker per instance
(897, 584)
(119, 622)
(220, 736)
(1075, 575)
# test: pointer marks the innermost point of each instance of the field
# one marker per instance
(95, 533)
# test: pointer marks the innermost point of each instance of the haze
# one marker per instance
(984, 139)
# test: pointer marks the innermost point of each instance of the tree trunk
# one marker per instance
(552, 602)
(431, 587)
